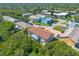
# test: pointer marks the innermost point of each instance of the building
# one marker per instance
(45, 12)
(40, 34)
(61, 15)
(36, 17)
(71, 24)
(47, 20)
(57, 11)
(26, 14)
(71, 36)
(33, 18)
(7, 18)
(72, 12)
(20, 25)
(41, 19)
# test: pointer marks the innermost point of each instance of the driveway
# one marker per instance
(50, 29)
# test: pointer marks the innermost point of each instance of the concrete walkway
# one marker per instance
(75, 48)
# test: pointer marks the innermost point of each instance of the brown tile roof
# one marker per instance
(40, 32)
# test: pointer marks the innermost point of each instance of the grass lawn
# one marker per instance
(41, 24)
(59, 28)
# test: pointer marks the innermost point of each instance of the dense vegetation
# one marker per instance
(16, 10)
(19, 43)
(54, 6)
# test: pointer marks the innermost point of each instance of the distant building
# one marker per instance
(26, 14)
(47, 20)
(72, 24)
(72, 11)
(45, 12)
(57, 11)
(7, 18)
(61, 15)
(42, 19)
(40, 34)
(36, 17)
(20, 25)
(69, 24)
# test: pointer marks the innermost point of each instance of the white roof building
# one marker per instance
(26, 14)
(35, 17)
(21, 25)
(61, 14)
(46, 12)
(7, 18)
(38, 15)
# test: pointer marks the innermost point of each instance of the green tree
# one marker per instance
(5, 29)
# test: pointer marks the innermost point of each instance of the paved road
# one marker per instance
(75, 48)
(50, 28)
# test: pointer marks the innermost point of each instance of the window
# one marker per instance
(42, 40)
(34, 36)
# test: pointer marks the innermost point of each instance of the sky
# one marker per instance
(39, 1)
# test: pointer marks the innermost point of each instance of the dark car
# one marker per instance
(77, 45)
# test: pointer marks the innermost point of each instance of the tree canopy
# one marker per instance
(18, 43)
